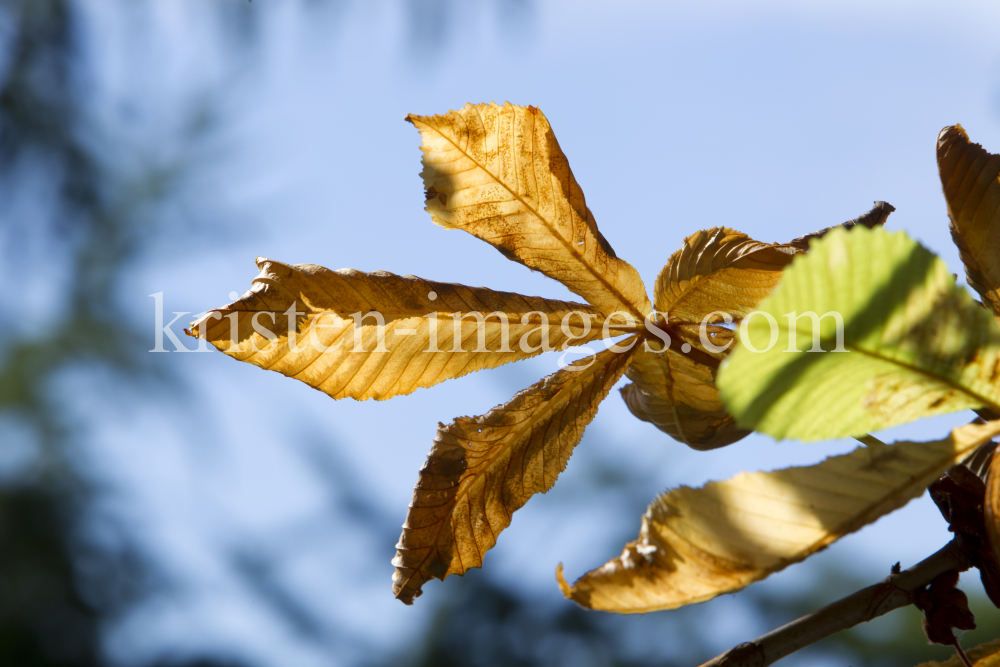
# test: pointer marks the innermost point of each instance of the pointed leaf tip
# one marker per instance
(395, 348)
(876, 217)
(501, 176)
(566, 589)
(970, 178)
(952, 130)
(481, 470)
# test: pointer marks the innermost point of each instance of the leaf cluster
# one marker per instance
(837, 333)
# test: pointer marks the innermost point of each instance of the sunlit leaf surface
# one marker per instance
(696, 544)
(718, 271)
(498, 173)
(915, 344)
(333, 342)
(482, 469)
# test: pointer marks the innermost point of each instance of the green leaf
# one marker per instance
(914, 343)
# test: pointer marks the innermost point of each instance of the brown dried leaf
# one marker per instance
(970, 177)
(991, 515)
(945, 608)
(482, 469)
(696, 544)
(873, 218)
(327, 301)
(498, 173)
(960, 496)
(718, 270)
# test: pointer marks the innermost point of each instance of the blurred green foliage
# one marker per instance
(61, 586)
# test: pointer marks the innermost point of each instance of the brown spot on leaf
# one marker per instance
(431, 193)
(995, 372)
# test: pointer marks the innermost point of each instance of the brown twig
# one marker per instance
(868, 603)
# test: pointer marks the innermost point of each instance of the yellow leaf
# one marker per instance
(498, 173)
(696, 544)
(676, 392)
(482, 469)
(970, 177)
(374, 335)
(718, 271)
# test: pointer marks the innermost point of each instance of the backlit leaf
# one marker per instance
(676, 392)
(329, 352)
(498, 173)
(915, 344)
(717, 271)
(482, 469)
(696, 544)
(970, 177)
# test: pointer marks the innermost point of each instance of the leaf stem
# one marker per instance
(896, 591)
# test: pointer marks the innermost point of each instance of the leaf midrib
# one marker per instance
(910, 367)
(509, 439)
(698, 282)
(847, 527)
(617, 294)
